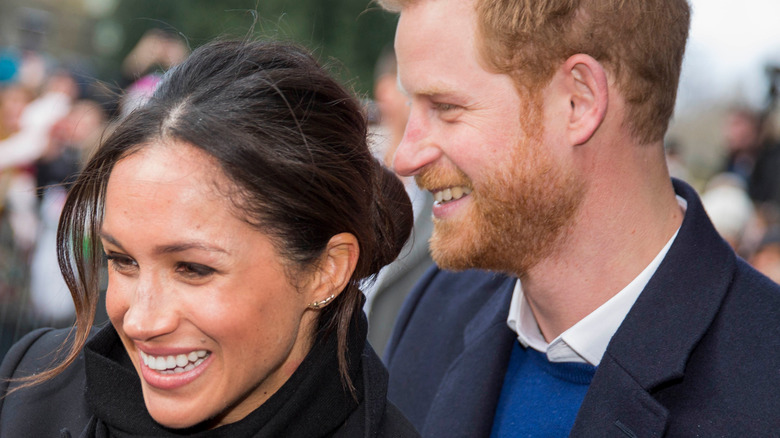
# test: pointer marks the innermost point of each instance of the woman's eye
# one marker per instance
(194, 270)
(121, 263)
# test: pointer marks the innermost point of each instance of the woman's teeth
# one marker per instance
(450, 194)
(174, 364)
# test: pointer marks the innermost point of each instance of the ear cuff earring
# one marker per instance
(320, 304)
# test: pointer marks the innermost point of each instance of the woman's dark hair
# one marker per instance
(293, 142)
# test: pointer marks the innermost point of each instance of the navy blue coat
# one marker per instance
(697, 355)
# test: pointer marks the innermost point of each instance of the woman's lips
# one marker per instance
(173, 371)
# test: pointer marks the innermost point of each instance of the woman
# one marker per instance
(238, 209)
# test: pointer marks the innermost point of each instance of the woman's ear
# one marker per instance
(587, 87)
(334, 271)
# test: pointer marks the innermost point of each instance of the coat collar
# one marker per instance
(312, 402)
(682, 298)
(374, 398)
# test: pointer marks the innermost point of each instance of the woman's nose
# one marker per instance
(150, 311)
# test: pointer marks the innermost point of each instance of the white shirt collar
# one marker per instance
(587, 340)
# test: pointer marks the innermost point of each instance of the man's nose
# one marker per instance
(418, 148)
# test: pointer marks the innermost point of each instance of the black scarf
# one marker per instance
(312, 403)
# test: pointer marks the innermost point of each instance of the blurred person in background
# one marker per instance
(753, 155)
(392, 104)
(29, 143)
(764, 187)
(27, 64)
(766, 258)
(17, 184)
(387, 293)
(19, 152)
(741, 133)
(729, 207)
(156, 52)
(24, 69)
(71, 139)
(13, 99)
(18, 220)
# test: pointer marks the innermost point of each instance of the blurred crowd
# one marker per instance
(51, 119)
(742, 197)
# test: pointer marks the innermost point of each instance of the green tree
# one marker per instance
(346, 35)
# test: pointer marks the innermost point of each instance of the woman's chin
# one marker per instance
(164, 413)
(175, 421)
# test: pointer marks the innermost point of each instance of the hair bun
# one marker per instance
(393, 217)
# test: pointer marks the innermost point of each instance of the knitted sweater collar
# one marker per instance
(312, 403)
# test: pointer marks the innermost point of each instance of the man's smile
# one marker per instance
(450, 194)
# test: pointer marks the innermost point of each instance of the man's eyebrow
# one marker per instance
(436, 92)
(170, 248)
(432, 90)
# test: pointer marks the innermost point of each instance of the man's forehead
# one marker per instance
(434, 36)
(427, 20)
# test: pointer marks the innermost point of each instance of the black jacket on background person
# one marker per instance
(100, 395)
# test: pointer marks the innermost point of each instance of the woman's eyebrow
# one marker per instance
(187, 245)
(172, 247)
(110, 239)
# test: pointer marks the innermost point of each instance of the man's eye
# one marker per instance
(446, 106)
(194, 270)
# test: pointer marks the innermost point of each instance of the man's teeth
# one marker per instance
(174, 364)
(450, 194)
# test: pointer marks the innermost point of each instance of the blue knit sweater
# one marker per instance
(540, 398)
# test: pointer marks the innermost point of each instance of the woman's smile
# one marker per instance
(174, 364)
(173, 372)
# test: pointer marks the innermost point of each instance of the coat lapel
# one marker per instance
(654, 342)
(465, 403)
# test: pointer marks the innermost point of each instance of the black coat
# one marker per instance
(697, 355)
(59, 407)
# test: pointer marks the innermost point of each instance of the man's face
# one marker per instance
(504, 197)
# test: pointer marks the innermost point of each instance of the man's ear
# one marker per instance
(587, 87)
(334, 271)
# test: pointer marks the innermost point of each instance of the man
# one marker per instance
(613, 307)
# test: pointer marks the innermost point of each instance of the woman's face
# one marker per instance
(199, 298)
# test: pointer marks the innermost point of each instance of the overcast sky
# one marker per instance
(731, 42)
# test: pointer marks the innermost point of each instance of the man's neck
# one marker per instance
(625, 220)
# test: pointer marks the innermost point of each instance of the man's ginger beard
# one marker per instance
(517, 217)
